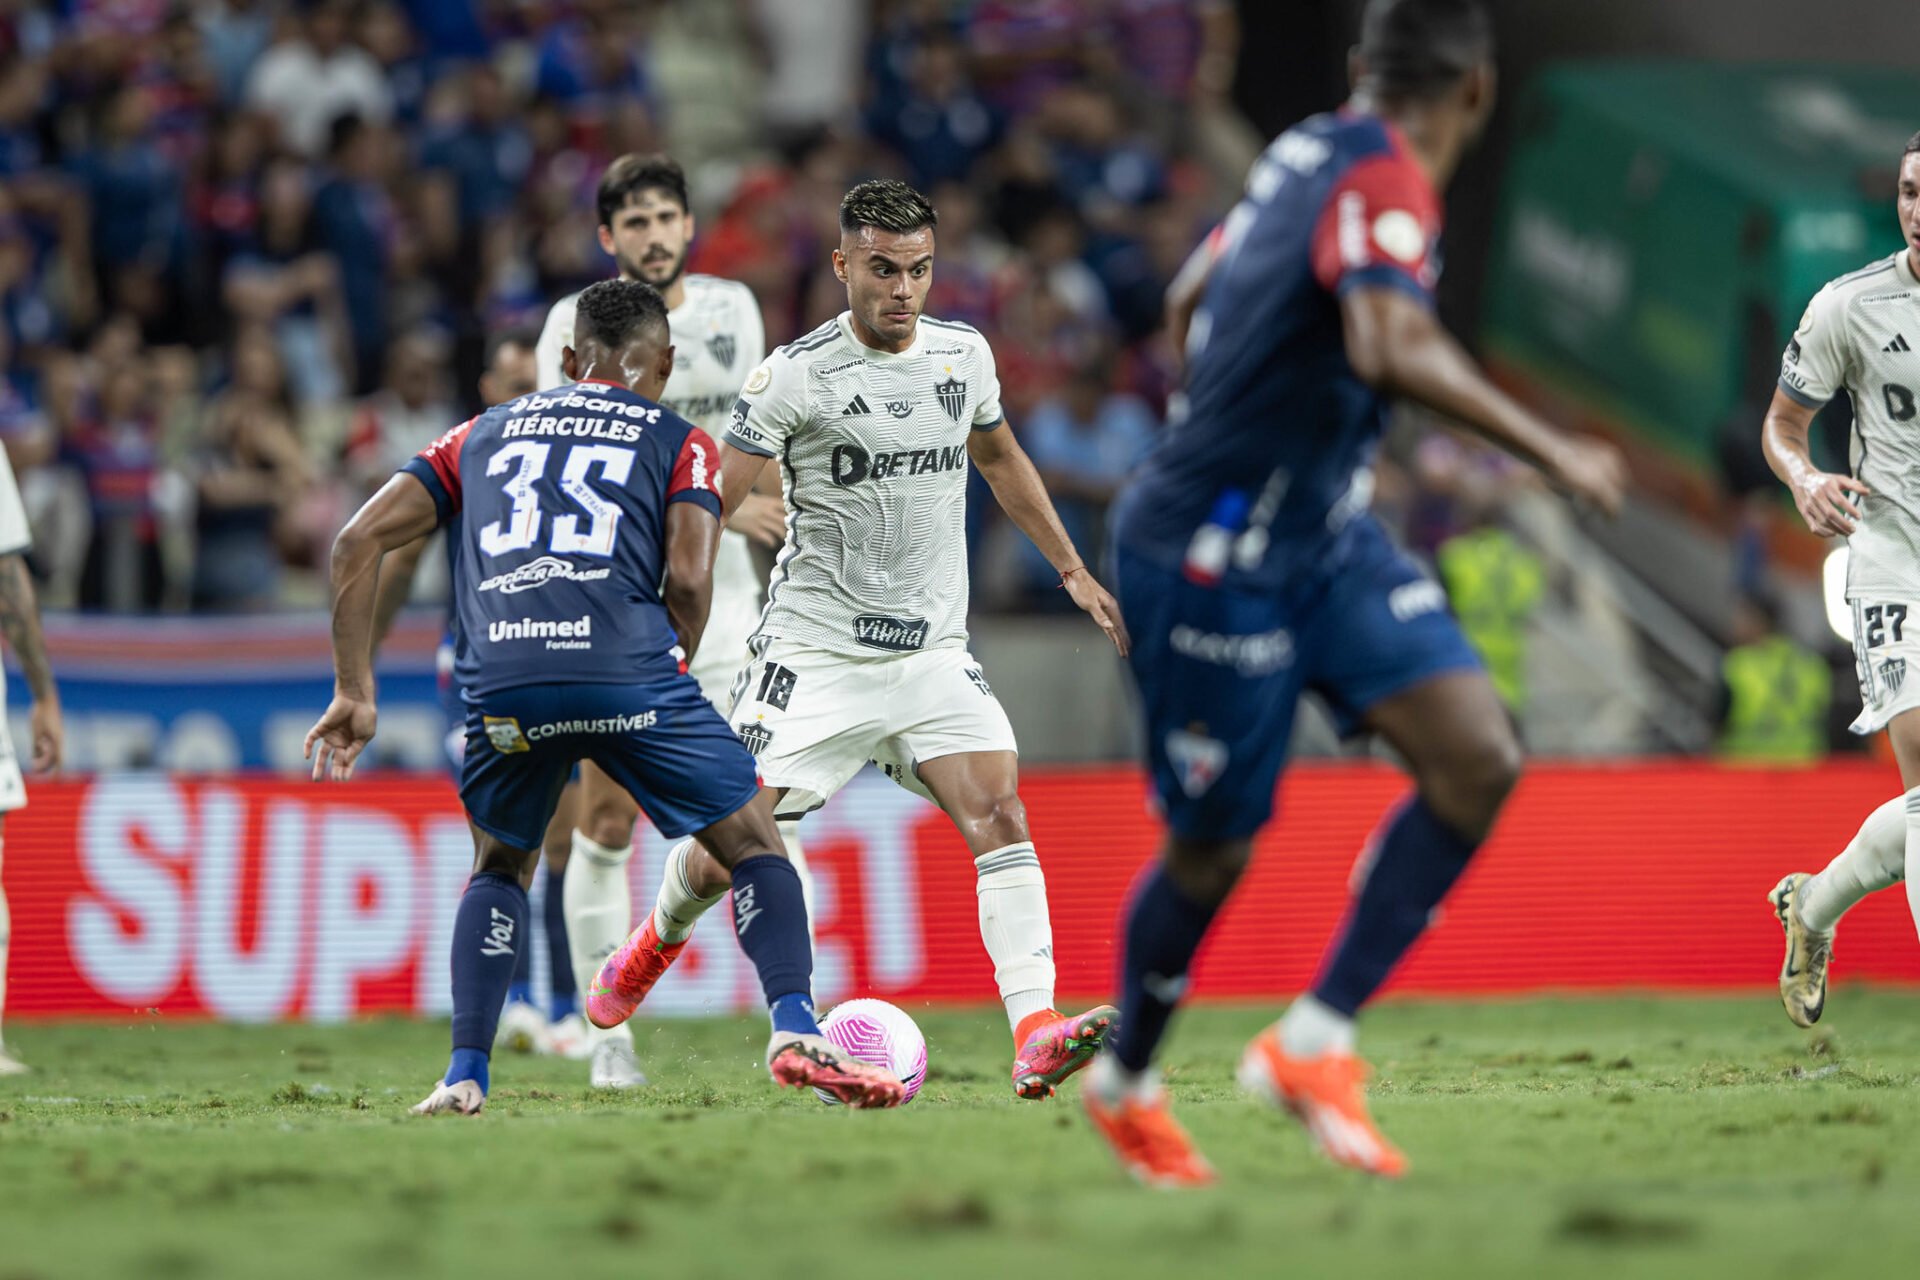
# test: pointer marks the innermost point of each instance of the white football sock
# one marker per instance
(599, 910)
(1309, 1029)
(1016, 929)
(676, 910)
(790, 836)
(1913, 854)
(1875, 858)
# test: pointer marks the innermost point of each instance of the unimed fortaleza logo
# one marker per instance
(878, 631)
(538, 573)
(572, 633)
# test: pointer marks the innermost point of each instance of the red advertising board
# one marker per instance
(262, 898)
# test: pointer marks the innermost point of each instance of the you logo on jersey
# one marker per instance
(853, 464)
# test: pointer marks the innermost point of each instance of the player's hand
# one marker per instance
(1099, 605)
(49, 735)
(1591, 471)
(1825, 504)
(763, 518)
(336, 739)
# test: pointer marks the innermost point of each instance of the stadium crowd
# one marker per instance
(252, 252)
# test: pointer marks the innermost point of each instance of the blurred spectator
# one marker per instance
(814, 81)
(410, 412)
(1773, 692)
(250, 477)
(1084, 442)
(470, 134)
(137, 250)
(312, 76)
(940, 127)
(112, 441)
(1025, 49)
(280, 277)
(236, 33)
(355, 222)
(1496, 586)
(591, 64)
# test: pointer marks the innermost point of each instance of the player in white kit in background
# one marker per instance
(718, 335)
(1862, 334)
(20, 624)
(862, 651)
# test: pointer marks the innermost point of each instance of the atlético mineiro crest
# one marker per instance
(1893, 672)
(953, 397)
(721, 345)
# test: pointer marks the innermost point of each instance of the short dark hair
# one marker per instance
(633, 173)
(1421, 48)
(886, 204)
(1913, 145)
(614, 313)
(519, 335)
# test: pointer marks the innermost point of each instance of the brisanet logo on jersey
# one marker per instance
(538, 573)
(901, 635)
(576, 633)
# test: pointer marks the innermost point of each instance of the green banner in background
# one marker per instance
(1663, 225)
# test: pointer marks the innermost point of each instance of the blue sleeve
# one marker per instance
(422, 470)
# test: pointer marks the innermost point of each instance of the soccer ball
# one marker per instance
(880, 1034)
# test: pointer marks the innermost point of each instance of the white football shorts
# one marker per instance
(812, 718)
(1886, 656)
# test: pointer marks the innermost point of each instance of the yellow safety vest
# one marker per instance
(1777, 703)
(1495, 585)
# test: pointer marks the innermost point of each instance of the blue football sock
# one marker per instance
(553, 914)
(1163, 929)
(520, 991)
(521, 988)
(489, 931)
(770, 919)
(1417, 861)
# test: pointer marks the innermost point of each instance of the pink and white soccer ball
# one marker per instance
(881, 1034)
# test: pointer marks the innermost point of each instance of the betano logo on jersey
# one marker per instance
(538, 573)
(900, 635)
(852, 464)
(567, 634)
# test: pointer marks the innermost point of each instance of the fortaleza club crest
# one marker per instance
(721, 345)
(953, 397)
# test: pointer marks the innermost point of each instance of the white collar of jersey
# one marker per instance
(845, 321)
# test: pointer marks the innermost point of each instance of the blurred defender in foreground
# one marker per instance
(1250, 570)
(613, 501)
(20, 624)
(1861, 333)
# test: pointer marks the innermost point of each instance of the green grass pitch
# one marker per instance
(1570, 1138)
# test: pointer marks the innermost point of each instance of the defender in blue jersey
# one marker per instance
(589, 519)
(1250, 570)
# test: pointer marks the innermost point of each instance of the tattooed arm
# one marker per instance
(20, 623)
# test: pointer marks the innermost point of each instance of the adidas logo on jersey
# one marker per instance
(1899, 343)
(856, 407)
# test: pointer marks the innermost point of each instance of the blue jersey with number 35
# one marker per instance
(562, 497)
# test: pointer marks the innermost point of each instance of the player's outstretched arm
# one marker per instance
(1023, 496)
(402, 511)
(1823, 497)
(1395, 344)
(693, 539)
(20, 622)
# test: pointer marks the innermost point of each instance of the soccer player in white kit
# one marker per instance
(20, 624)
(646, 225)
(1862, 333)
(862, 650)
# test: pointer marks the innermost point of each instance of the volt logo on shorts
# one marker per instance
(1409, 600)
(900, 635)
(634, 723)
(1256, 653)
(1197, 759)
(538, 573)
(504, 733)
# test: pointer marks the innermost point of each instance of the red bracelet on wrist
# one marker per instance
(1079, 568)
